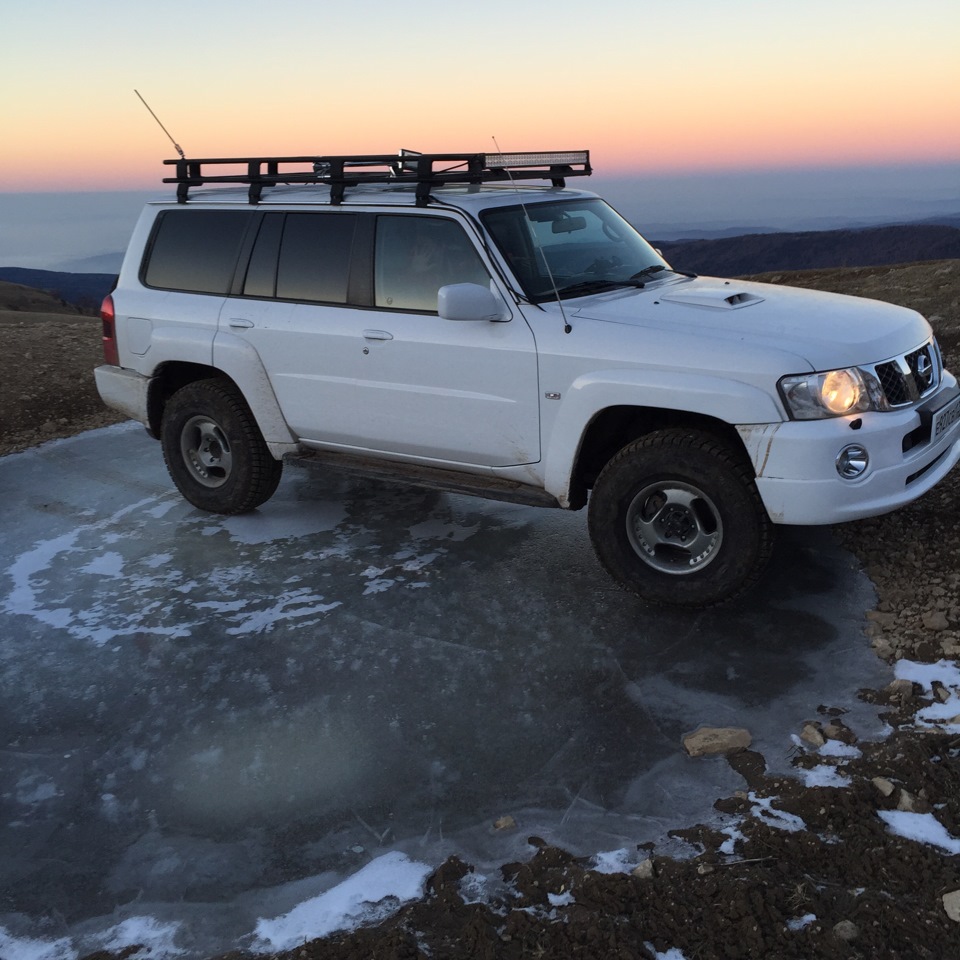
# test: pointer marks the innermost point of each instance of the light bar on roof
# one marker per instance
(564, 158)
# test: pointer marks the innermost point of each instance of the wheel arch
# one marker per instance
(593, 422)
(244, 372)
(614, 427)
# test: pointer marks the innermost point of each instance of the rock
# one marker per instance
(935, 620)
(940, 691)
(908, 803)
(812, 735)
(505, 823)
(708, 740)
(883, 648)
(644, 870)
(951, 903)
(704, 868)
(900, 690)
(883, 785)
(837, 730)
(846, 930)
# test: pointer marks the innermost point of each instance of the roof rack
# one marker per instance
(426, 170)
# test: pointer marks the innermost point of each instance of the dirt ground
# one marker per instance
(841, 886)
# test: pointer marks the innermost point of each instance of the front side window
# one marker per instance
(570, 247)
(416, 256)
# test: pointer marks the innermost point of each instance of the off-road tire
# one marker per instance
(214, 451)
(669, 490)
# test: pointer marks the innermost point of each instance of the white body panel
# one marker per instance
(516, 398)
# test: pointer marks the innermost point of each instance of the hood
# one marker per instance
(828, 330)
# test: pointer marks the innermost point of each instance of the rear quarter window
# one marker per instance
(195, 250)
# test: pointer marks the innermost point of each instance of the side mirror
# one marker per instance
(470, 301)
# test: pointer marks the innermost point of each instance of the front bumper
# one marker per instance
(795, 462)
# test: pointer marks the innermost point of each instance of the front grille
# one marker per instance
(907, 379)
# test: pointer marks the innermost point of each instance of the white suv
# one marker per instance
(445, 320)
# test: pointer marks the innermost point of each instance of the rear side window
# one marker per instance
(302, 256)
(195, 250)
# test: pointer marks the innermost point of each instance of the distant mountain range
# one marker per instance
(764, 252)
(726, 256)
(83, 290)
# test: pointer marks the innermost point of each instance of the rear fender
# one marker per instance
(241, 362)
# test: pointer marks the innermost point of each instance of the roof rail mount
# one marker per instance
(425, 170)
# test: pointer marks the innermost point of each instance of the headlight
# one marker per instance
(836, 393)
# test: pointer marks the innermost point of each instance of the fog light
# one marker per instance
(853, 461)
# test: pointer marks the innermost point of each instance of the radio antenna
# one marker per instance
(563, 313)
(176, 146)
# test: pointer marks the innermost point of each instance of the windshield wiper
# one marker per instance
(648, 271)
(593, 286)
(638, 280)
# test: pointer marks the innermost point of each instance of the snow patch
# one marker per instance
(614, 861)
(835, 748)
(942, 716)
(763, 810)
(370, 895)
(824, 776)
(15, 948)
(154, 938)
(922, 827)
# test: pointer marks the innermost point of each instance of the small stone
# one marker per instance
(839, 731)
(883, 785)
(708, 740)
(900, 689)
(951, 903)
(883, 647)
(812, 735)
(907, 802)
(505, 823)
(704, 868)
(644, 870)
(940, 691)
(846, 930)
(935, 620)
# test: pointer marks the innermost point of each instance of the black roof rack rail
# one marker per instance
(426, 170)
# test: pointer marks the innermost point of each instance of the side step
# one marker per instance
(417, 475)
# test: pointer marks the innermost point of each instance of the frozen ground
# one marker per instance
(210, 724)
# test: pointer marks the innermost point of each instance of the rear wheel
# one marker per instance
(675, 517)
(214, 451)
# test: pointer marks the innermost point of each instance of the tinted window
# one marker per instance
(262, 272)
(415, 256)
(196, 250)
(315, 257)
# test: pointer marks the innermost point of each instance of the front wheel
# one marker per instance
(214, 451)
(675, 517)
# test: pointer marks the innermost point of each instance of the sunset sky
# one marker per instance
(690, 85)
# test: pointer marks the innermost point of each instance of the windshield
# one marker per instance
(571, 247)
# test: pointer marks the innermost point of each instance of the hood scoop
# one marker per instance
(717, 298)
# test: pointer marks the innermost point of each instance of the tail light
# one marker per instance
(111, 353)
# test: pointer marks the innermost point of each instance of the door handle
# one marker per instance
(377, 335)
(240, 323)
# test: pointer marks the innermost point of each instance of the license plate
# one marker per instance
(944, 419)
